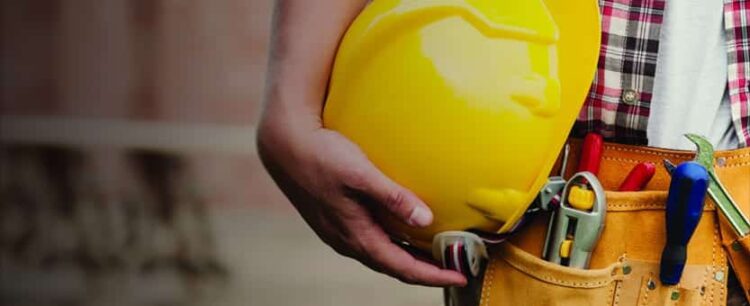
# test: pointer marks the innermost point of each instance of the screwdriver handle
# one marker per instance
(687, 192)
(639, 177)
(591, 153)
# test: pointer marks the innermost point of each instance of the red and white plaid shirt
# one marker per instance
(619, 101)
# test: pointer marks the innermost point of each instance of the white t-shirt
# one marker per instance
(690, 87)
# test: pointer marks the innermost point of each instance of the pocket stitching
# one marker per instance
(644, 291)
(490, 273)
(614, 283)
(513, 257)
(617, 289)
(715, 250)
(590, 285)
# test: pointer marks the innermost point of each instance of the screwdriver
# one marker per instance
(687, 192)
(639, 177)
(591, 153)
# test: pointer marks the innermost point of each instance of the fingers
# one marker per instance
(394, 261)
(319, 185)
(396, 199)
(363, 239)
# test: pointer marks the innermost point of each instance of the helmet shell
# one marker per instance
(462, 102)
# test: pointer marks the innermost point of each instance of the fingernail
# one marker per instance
(420, 216)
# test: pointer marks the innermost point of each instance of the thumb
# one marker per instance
(398, 200)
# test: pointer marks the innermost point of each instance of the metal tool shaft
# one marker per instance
(717, 192)
(728, 206)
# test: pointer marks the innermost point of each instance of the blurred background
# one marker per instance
(128, 171)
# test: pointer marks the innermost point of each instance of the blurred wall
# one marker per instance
(128, 171)
(174, 60)
(125, 125)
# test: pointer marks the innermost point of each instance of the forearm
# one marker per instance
(329, 180)
(303, 46)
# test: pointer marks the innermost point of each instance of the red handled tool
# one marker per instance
(639, 177)
(591, 154)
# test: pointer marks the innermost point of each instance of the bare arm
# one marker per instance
(325, 176)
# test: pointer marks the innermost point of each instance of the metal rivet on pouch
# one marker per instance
(721, 161)
(675, 295)
(626, 269)
(651, 285)
(719, 276)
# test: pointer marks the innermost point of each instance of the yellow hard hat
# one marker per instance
(465, 102)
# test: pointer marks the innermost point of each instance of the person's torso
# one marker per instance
(649, 86)
(690, 84)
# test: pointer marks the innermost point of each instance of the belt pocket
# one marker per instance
(625, 259)
(635, 227)
(515, 277)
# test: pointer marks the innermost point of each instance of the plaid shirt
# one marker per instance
(619, 101)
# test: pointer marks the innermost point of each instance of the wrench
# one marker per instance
(727, 205)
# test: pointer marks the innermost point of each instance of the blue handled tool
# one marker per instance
(687, 192)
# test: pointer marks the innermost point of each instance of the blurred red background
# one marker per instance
(197, 63)
(129, 174)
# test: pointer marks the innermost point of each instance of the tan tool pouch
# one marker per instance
(625, 263)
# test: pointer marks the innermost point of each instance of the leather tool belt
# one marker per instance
(624, 267)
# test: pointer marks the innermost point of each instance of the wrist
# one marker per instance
(282, 136)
